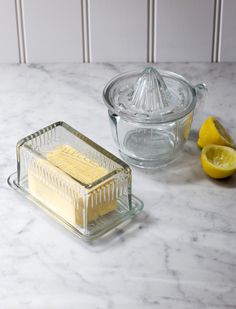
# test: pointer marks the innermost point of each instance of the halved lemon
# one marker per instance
(213, 132)
(218, 161)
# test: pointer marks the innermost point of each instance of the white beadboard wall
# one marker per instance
(117, 30)
(8, 32)
(228, 36)
(187, 33)
(53, 30)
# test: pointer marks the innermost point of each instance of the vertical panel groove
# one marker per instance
(154, 7)
(23, 31)
(88, 30)
(85, 30)
(17, 31)
(220, 30)
(213, 55)
(217, 30)
(151, 31)
(20, 31)
(148, 31)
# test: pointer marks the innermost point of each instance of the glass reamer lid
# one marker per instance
(150, 96)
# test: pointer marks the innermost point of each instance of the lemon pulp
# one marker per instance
(218, 161)
(213, 132)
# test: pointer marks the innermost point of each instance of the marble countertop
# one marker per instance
(179, 253)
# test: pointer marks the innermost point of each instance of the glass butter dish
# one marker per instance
(79, 183)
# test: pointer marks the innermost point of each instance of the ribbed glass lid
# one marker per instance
(150, 96)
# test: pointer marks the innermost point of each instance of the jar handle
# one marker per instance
(114, 120)
(201, 92)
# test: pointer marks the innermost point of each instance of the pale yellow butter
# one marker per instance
(45, 183)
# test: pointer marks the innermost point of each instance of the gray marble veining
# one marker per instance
(179, 253)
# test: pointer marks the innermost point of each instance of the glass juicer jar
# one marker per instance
(151, 114)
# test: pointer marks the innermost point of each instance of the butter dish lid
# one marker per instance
(150, 96)
(76, 181)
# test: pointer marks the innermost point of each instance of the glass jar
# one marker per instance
(151, 115)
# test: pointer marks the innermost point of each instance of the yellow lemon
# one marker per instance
(213, 132)
(218, 161)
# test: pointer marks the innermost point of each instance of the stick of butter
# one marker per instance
(53, 186)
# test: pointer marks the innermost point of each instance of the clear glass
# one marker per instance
(78, 182)
(150, 145)
(151, 115)
(150, 96)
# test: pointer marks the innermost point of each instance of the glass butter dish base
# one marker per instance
(102, 226)
(79, 183)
